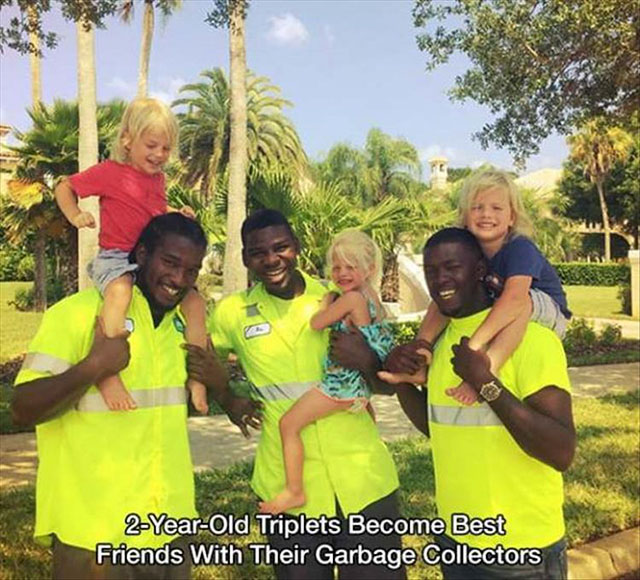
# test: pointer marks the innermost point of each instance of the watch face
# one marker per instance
(490, 391)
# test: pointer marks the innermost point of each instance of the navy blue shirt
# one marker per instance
(520, 257)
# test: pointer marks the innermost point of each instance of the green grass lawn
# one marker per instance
(595, 302)
(16, 328)
(601, 490)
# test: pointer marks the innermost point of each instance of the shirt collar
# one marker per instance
(468, 324)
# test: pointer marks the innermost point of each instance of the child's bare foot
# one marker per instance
(397, 378)
(463, 393)
(285, 500)
(115, 395)
(198, 396)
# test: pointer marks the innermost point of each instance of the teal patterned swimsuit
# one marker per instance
(341, 383)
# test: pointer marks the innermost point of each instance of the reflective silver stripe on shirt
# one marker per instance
(283, 390)
(144, 398)
(481, 416)
(39, 361)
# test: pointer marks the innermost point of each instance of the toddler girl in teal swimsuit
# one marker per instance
(355, 263)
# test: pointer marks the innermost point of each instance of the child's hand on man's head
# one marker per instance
(84, 219)
(187, 211)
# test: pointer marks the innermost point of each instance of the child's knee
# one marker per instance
(119, 289)
(287, 425)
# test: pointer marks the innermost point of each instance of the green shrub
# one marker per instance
(593, 274)
(25, 268)
(580, 335)
(624, 295)
(611, 334)
(24, 298)
(11, 257)
(404, 331)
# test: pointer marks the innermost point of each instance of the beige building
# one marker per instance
(8, 160)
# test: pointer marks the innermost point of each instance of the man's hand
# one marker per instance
(472, 366)
(84, 219)
(350, 350)
(409, 358)
(108, 356)
(204, 366)
(244, 413)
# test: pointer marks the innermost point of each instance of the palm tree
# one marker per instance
(347, 166)
(597, 148)
(233, 272)
(48, 151)
(205, 131)
(167, 7)
(88, 142)
(392, 165)
(34, 55)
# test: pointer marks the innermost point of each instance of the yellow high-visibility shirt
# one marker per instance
(282, 357)
(479, 468)
(97, 466)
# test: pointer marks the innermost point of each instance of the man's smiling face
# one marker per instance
(454, 277)
(169, 271)
(271, 254)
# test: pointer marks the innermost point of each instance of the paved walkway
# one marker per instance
(215, 442)
(630, 328)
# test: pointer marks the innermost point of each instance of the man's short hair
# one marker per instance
(169, 223)
(457, 235)
(263, 218)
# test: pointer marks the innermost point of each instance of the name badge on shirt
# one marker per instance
(178, 324)
(257, 330)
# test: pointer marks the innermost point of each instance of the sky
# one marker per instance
(346, 66)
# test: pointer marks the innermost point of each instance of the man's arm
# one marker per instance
(352, 351)
(541, 424)
(205, 367)
(42, 399)
(413, 401)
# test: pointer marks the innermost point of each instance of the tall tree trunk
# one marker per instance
(390, 286)
(34, 57)
(87, 144)
(605, 220)
(234, 273)
(145, 48)
(40, 274)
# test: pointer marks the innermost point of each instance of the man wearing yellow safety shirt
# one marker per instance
(497, 463)
(101, 472)
(347, 468)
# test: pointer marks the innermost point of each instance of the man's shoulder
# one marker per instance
(79, 303)
(235, 306)
(539, 339)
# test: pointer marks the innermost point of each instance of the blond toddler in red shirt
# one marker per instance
(131, 188)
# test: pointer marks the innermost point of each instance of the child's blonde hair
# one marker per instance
(487, 179)
(357, 249)
(143, 114)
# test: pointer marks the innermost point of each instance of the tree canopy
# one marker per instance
(539, 65)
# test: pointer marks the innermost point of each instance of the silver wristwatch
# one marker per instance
(490, 391)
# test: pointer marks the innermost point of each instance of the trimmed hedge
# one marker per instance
(593, 274)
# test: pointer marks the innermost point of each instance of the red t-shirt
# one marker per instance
(128, 201)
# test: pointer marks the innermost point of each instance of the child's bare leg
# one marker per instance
(117, 297)
(500, 349)
(310, 407)
(194, 309)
